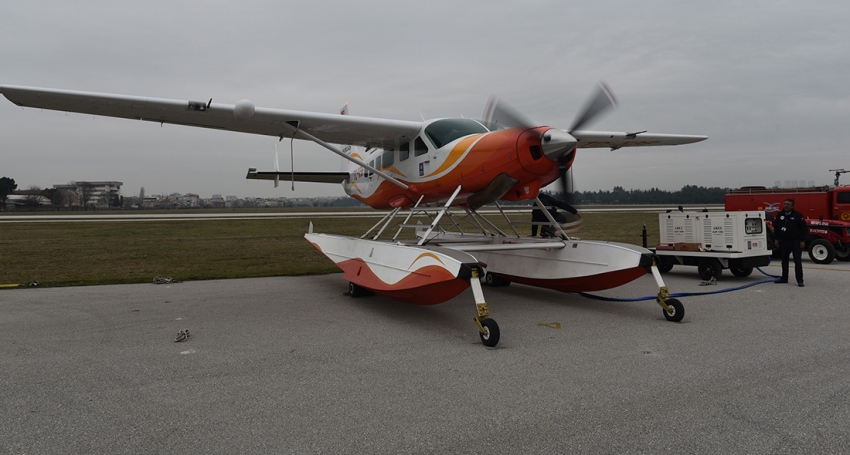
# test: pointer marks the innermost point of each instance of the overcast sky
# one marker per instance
(766, 81)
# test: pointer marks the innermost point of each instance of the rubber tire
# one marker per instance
(843, 255)
(664, 266)
(358, 291)
(678, 310)
(495, 281)
(709, 267)
(491, 338)
(741, 272)
(821, 252)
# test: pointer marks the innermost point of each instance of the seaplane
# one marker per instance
(439, 170)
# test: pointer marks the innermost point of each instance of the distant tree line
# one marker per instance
(689, 194)
(7, 186)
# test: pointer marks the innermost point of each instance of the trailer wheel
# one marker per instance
(821, 252)
(741, 271)
(709, 268)
(843, 255)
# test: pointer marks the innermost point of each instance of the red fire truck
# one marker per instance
(827, 210)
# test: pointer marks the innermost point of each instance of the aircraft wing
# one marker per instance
(317, 177)
(615, 140)
(243, 117)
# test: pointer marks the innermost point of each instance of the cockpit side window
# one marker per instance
(447, 130)
(419, 147)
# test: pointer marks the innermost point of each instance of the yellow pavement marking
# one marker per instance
(554, 325)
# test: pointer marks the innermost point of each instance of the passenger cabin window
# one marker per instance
(372, 165)
(404, 151)
(447, 130)
(388, 158)
(843, 197)
(419, 147)
(378, 162)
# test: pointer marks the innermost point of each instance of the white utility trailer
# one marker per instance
(713, 241)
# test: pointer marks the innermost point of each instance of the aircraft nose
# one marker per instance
(557, 143)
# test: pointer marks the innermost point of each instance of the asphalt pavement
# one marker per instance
(292, 365)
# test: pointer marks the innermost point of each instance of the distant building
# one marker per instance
(98, 194)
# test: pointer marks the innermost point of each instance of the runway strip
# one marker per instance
(141, 216)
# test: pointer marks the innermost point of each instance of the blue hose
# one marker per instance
(680, 294)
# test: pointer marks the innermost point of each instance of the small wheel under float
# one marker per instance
(490, 335)
(495, 281)
(678, 310)
(358, 291)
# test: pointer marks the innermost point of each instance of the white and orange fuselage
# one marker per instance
(435, 169)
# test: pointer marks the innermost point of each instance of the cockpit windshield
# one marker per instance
(447, 130)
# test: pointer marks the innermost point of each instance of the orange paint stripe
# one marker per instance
(456, 153)
(432, 255)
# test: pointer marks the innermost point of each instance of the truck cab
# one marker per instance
(827, 212)
(841, 203)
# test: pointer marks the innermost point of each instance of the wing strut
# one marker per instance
(297, 132)
(442, 212)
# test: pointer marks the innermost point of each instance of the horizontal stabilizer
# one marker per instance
(317, 177)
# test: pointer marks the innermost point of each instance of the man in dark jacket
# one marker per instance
(790, 231)
(538, 216)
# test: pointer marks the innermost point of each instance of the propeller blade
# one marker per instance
(501, 113)
(566, 180)
(601, 100)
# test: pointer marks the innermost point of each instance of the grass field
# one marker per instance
(89, 253)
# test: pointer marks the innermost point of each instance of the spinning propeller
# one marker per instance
(557, 145)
